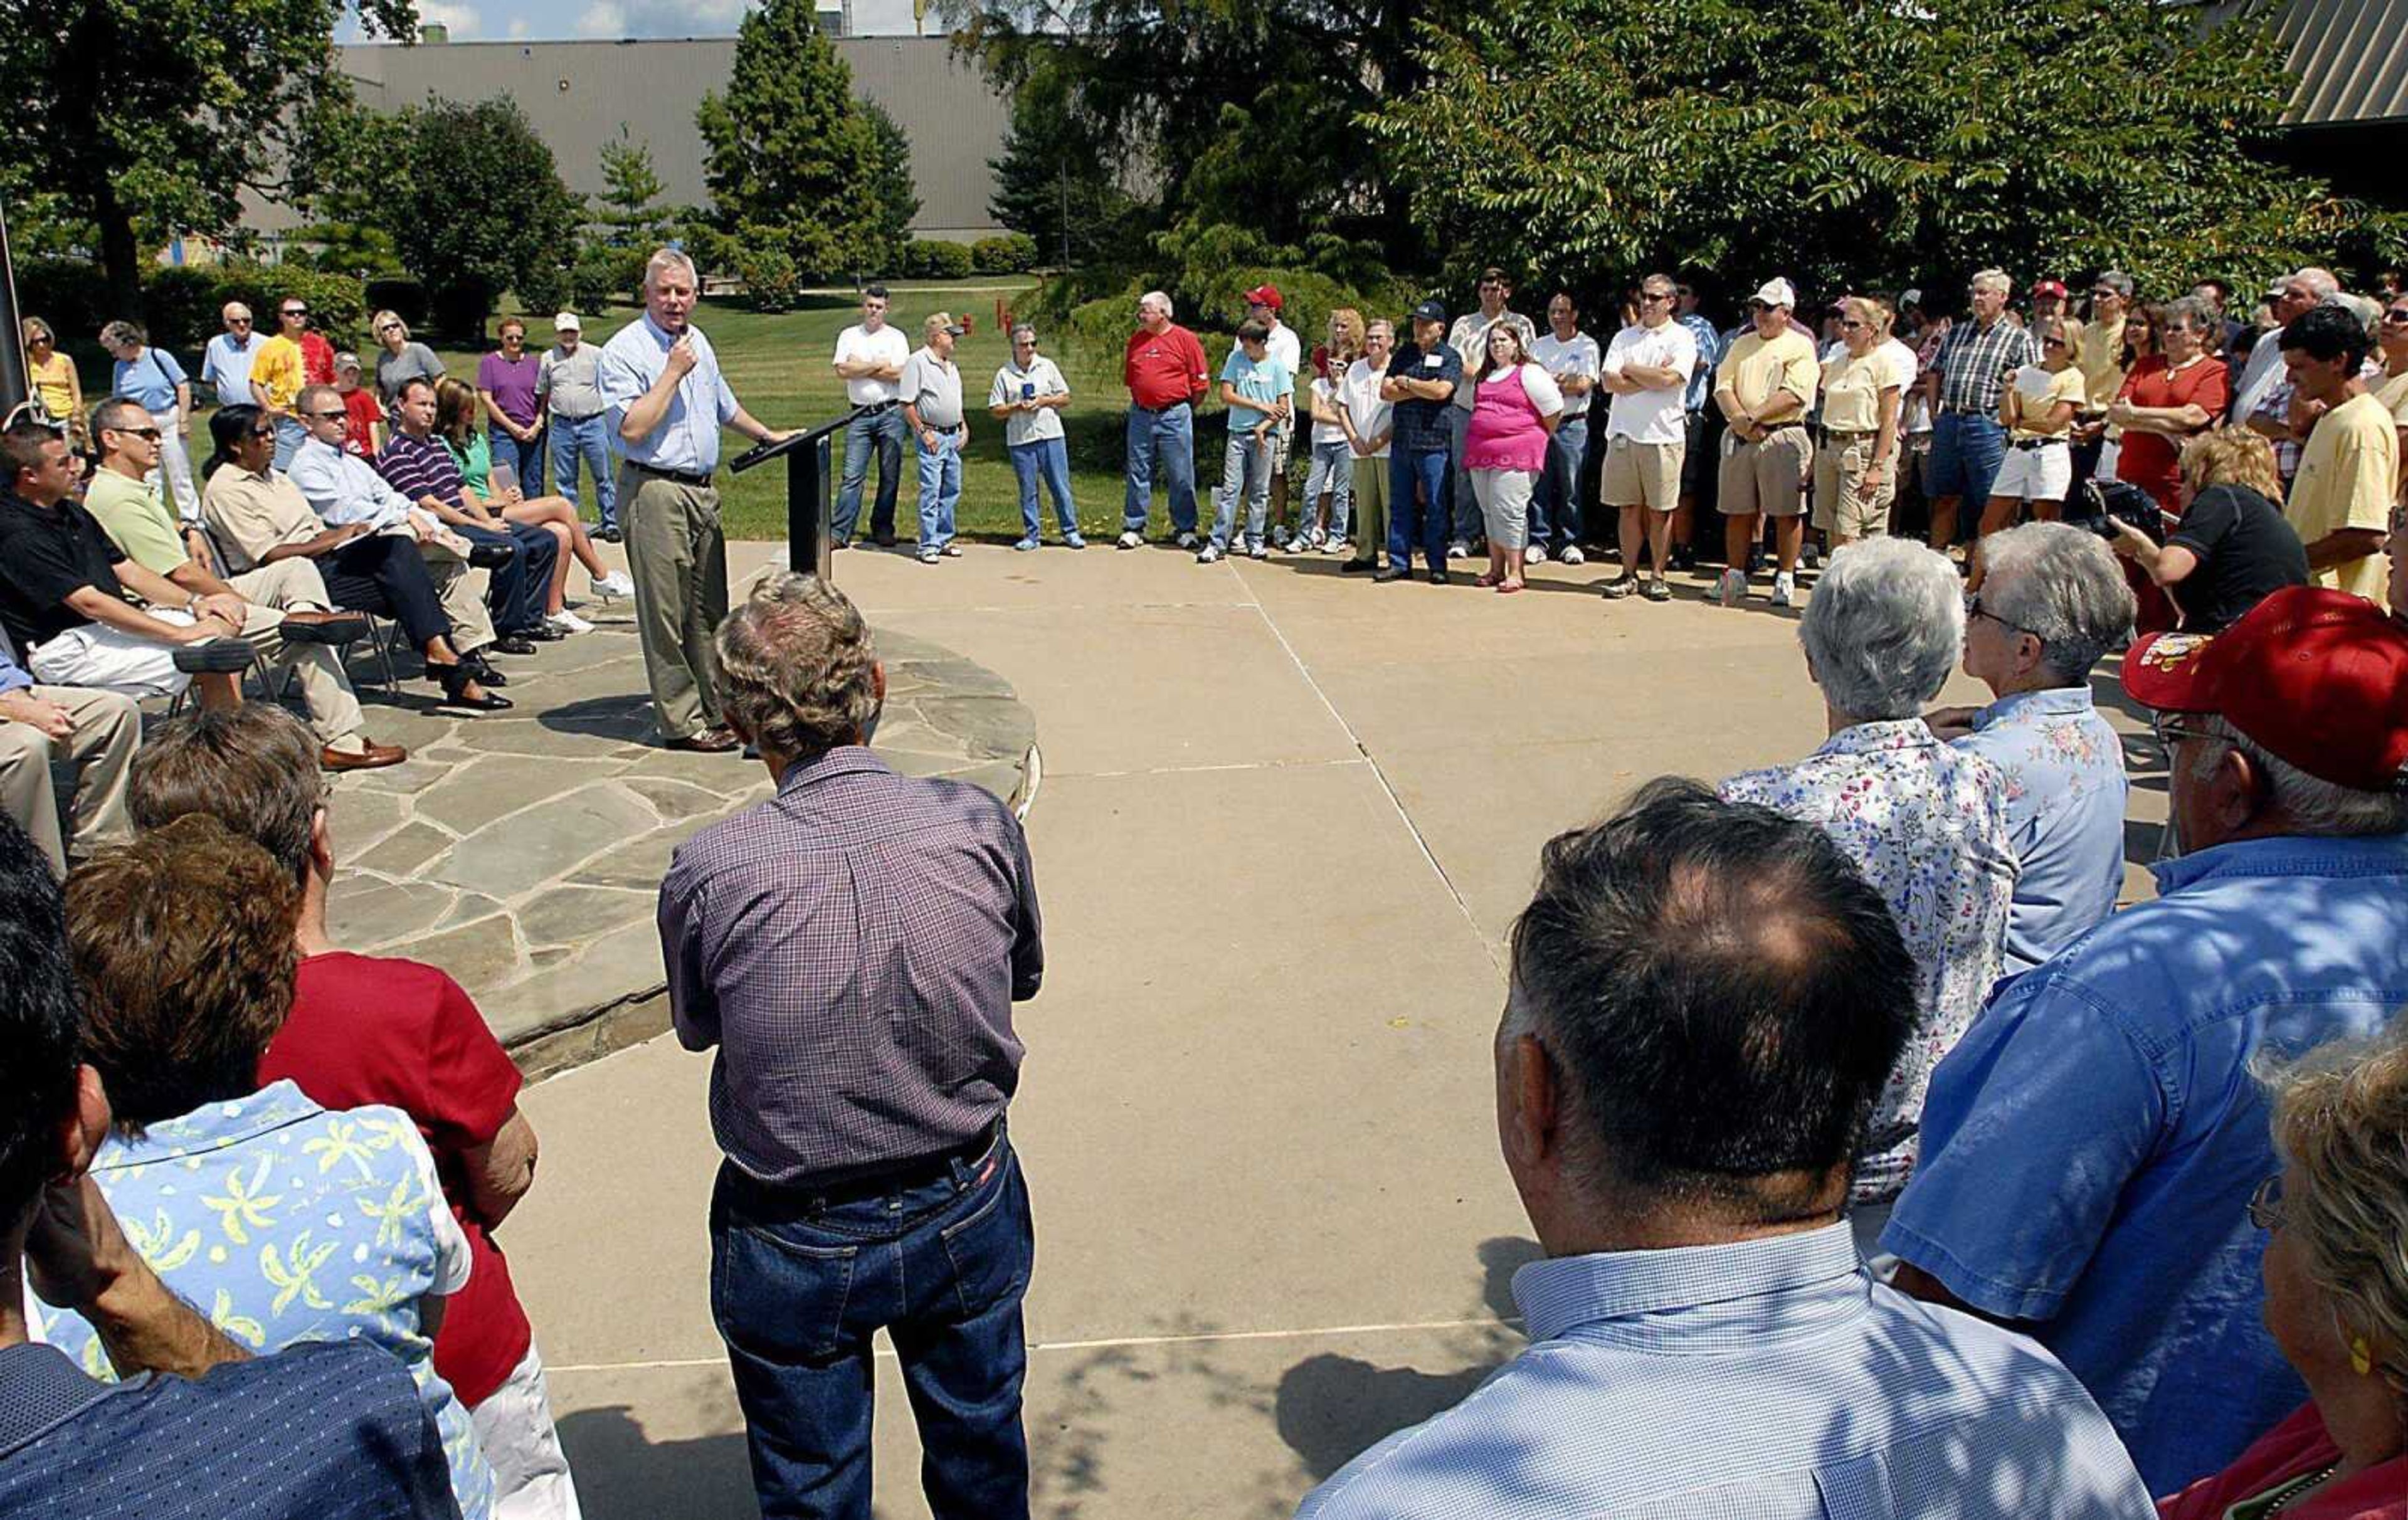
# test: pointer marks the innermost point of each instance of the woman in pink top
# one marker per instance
(1514, 409)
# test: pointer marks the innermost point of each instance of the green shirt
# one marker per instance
(135, 517)
(475, 462)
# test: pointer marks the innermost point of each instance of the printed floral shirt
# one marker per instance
(2065, 795)
(287, 1222)
(1927, 826)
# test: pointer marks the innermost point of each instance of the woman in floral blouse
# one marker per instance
(282, 1222)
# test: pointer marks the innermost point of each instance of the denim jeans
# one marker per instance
(1555, 506)
(1171, 431)
(1464, 508)
(527, 458)
(582, 441)
(941, 489)
(1047, 459)
(290, 436)
(1966, 451)
(1417, 519)
(1331, 470)
(1245, 466)
(884, 434)
(518, 590)
(800, 1285)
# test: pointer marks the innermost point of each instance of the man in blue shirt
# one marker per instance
(1706, 999)
(196, 1430)
(2090, 1146)
(2052, 601)
(226, 361)
(1422, 378)
(665, 402)
(1256, 385)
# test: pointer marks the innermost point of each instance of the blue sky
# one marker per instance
(487, 20)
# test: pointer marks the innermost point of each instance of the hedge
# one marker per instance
(180, 304)
(933, 258)
(1011, 253)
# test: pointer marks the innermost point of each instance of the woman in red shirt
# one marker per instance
(2167, 398)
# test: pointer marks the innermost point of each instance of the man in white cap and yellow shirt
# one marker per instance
(1764, 387)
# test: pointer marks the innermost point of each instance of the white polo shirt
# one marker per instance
(858, 345)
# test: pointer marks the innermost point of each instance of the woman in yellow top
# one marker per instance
(52, 377)
(2036, 407)
(1856, 471)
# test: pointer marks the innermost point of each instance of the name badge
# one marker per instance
(1432, 361)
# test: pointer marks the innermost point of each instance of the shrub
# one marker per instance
(68, 294)
(1012, 253)
(401, 295)
(769, 278)
(933, 258)
(180, 305)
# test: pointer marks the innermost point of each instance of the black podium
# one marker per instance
(811, 494)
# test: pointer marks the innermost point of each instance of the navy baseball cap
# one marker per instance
(1429, 311)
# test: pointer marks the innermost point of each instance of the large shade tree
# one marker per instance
(446, 168)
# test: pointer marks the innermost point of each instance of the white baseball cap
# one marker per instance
(566, 323)
(1776, 292)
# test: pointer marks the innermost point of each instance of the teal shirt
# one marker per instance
(1265, 379)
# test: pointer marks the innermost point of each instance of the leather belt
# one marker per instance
(876, 409)
(2028, 445)
(868, 1182)
(1167, 406)
(679, 475)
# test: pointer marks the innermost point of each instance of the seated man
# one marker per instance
(286, 603)
(67, 595)
(415, 463)
(260, 519)
(382, 1030)
(2089, 1148)
(93, 731)
(1705, 1001)
(195, 1427)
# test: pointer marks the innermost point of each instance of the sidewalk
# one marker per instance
(1286, 822)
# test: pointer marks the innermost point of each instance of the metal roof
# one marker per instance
(2351, 57)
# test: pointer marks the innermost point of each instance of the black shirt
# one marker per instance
(48, 555)
(2246, 551)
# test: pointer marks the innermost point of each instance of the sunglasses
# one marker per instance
(262, 432)
(1761, 306)
(296, 311)
(1850, 324)
(390, 327)
(1655, 296)
(2103, 293)
(2397, 314)
(2173, 731)
(237, 322)
(2055, 343)
(329, 416)
(150, 433)
(2266, 1204)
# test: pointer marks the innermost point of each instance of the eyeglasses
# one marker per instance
(1655, 296)
(296, 311)
(153, 434)
(329, 416)
(2266, 1204)
(2170, 731)
(262, 432)
(2395, 315)
(1974, 609)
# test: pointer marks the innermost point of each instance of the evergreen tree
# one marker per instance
(631, 187)
(1054, 181)
(896, 197)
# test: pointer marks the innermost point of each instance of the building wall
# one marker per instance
(577, 94)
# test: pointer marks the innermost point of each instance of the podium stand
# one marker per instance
(811, 494)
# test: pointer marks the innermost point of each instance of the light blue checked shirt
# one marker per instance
(1767, 1379)
(687, 438)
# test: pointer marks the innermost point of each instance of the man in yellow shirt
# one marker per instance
(277, 372)
(2341, 499)
(2098, 353)
(1764, 387)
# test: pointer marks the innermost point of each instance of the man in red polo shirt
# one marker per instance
(381, 1030)
(1164, 370)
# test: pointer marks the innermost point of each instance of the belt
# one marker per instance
(2028, 445)
(1167, 405)
(1830, 433)
(877, 409)
(681, 477)
(1952, 410)
(851, 1187)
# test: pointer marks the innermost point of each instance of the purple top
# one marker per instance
(512, 384)
(854, 947)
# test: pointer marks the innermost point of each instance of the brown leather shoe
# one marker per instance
(371, 756)
(709, 742)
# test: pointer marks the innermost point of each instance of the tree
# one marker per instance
(1055, 181)
(475, 205)
(631, 188)
(1845, 144)
(894, 196)
(790, 153)
(149, 120)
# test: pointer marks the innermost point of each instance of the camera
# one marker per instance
(2100, 505)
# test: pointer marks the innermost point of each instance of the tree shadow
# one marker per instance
(624, 1474)
(628, 717)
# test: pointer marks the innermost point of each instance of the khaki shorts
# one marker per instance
(1842, 505)
(1638, 474)
(1768, 477)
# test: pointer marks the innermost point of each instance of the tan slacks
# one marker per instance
(107, 729)
(461, 588)
(295, 585)
(677, 556)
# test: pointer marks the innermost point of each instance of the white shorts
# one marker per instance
(514, 1427)
(96, 655)
(2042, 474)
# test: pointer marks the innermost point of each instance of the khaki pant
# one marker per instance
(1766, 477)
(677, 556)
(108, 727)
(1370, 483)
(1841, 504)
(1638, 474)
(295, 585)
(461, 588)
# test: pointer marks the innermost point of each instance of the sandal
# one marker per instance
(457, 680)
(1488, 578)
(1509, 587)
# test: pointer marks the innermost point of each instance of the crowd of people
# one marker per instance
(1880, 1163)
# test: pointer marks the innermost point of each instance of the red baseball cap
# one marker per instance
(2317, 678)
(2049, 287)
(1265, 296)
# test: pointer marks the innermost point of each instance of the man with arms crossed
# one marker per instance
(870, 357)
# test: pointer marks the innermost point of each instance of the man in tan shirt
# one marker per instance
(2098, 353)
(2340, 503)
(1763, 386)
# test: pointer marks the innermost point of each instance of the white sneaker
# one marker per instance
(1458, 549)
(1535, 554)
(1732, 590)
(1258, 549)
(1337, 546)
(1188, 541)
(614, 586)
(1571, 554)
(1130, 539)
(569, 622)
(1318, 538)
(1784, 589)
(1209, 555)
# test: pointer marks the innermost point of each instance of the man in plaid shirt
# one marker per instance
(1966, 442)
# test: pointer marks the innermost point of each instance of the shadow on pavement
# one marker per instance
(622, 1474)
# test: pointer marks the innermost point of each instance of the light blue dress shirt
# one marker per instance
(1709, 352)
(2065, 794)
(687, 438)
(2090, 1146)
(228, 367)
(1766, 1380)
(149, 381)
(344, 487)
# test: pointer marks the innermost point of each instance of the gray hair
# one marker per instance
(2116, 281)
(1160, 298)
(110, 414)
(798, 673)
(2316, 806)
(2063, 586)
(1994, 279)
(2191, 311)
(117, 334)
(310, 397)
(2368, 310)
(2319, 281)
(1883, 628)
(667, 258)
(1020, 327)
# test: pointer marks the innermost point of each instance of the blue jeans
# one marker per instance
(517, 592)
(1245, 466)
(527, 458)
(1417, 519)
(581, 441)
(1465, 507)
(941, 489)
(290, 436)
(798, 1286)
(884, 434)
(1171, 430)
(1555, 506)
(1331, 470)
(1966, 451)
(1047, 459)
